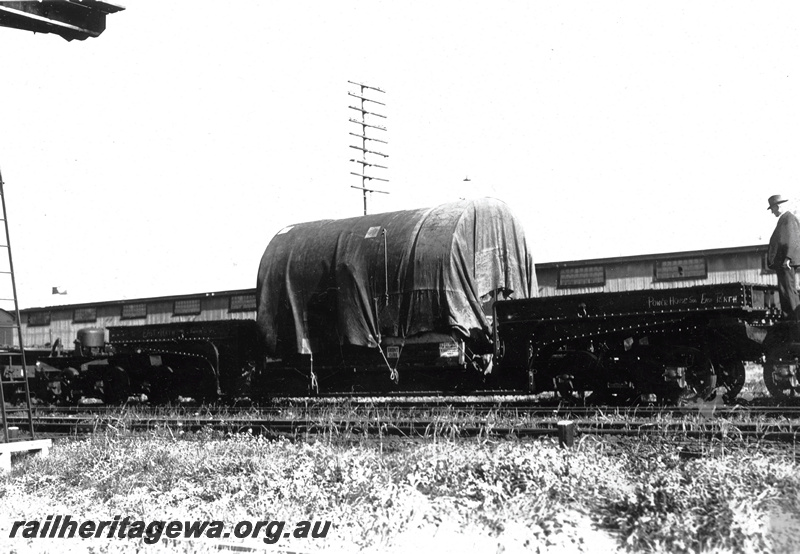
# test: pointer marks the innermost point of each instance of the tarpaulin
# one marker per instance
(398, 274)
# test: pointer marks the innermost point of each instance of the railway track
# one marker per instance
(788, 432)
(314, 408)
(771, 423)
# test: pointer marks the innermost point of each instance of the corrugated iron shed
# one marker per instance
(741, 264)
(70, 19)
(41, 326)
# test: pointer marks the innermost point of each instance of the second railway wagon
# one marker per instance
(655, 345)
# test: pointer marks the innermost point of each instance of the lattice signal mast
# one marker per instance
(367, 123)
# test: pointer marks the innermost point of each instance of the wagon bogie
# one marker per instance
(163, 363)
(655, 346)
(782, 369)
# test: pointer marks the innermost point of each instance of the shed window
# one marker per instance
(187, 307)
(243, 303)
(39, 318)
(587, 276)
(134, 311)
(84, 315)
(685, 268)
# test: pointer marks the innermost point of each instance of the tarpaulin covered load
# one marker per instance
(398, 274)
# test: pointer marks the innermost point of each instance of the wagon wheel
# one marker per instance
(782, 357)
(210, 385)
(566, 391)
(162, 387)
(71, 393)
(731, 374)
(776, 389)
(116, 385)
(198, 381)
(701, 376)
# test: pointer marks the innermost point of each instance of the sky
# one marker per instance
(161, 157)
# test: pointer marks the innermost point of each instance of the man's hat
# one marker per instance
(776, 199)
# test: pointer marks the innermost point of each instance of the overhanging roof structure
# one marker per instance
(70, 19)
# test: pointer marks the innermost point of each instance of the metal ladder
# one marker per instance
(11, 383)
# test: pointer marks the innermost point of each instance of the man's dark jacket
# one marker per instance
(785, 242)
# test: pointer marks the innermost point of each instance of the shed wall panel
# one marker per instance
(639, 274)
(62, 325)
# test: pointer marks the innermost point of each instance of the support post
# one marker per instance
(566, 434)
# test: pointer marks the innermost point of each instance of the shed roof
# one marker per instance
(70, 19)
(726, 251)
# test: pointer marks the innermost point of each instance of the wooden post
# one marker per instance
(566, 434)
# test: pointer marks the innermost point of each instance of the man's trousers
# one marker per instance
(787, 291)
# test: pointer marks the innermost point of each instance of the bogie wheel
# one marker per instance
(70, 391)
(197, 381)
(208, 384)
(575, 373)
(700, 375)
(731, 374)
(780, 371)
(162, 387)
(567, 392)
(116, 385)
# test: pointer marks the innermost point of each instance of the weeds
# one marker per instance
(641, 494)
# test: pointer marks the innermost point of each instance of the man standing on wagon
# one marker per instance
(784, 255)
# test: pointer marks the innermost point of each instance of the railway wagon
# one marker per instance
(653, 345)
(390, 303)
(200, 360)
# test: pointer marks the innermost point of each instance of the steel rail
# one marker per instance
(705, 410)
(454, 428)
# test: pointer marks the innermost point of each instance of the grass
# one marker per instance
(392, 495)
